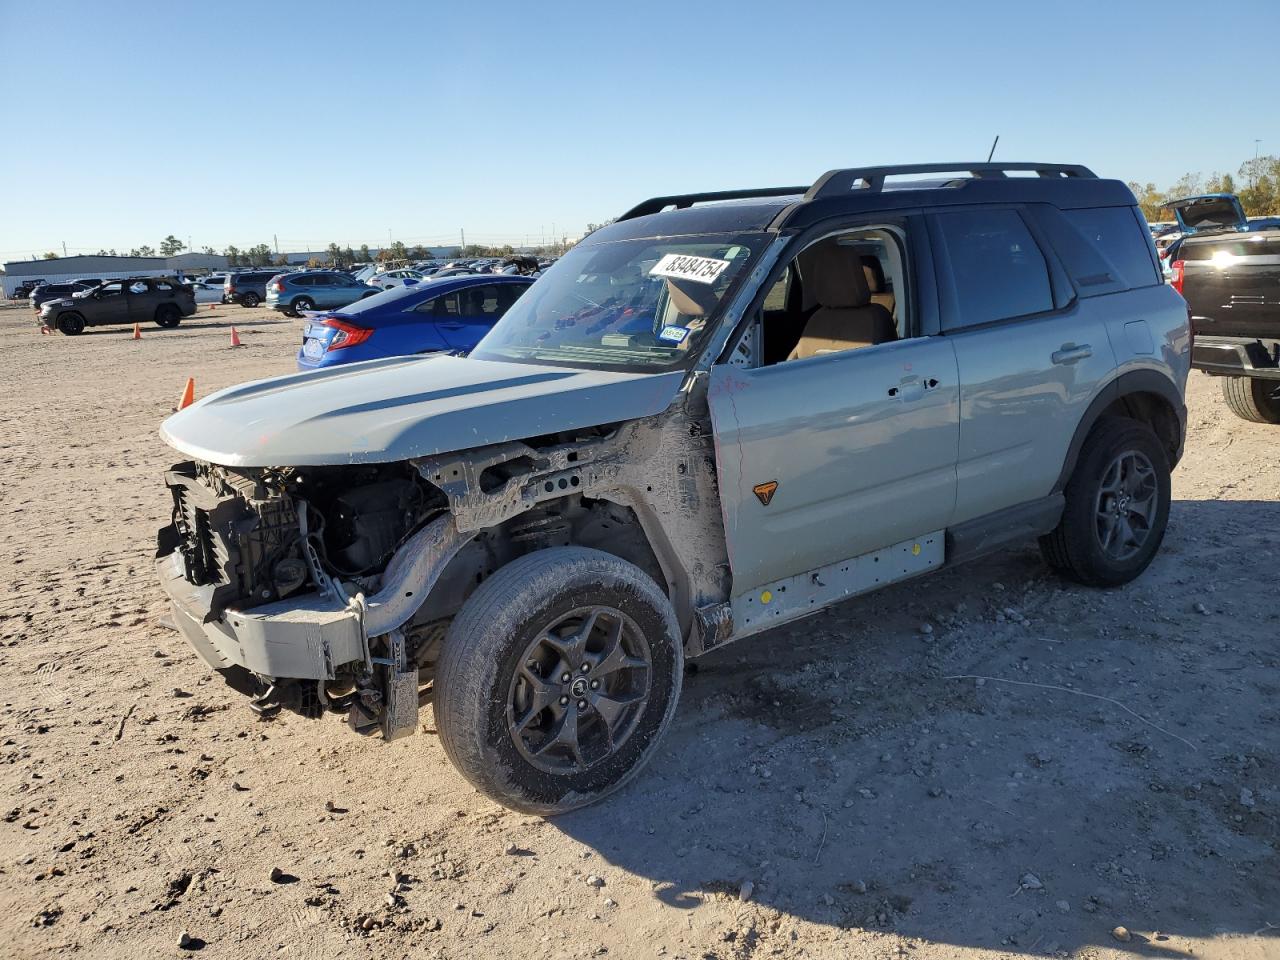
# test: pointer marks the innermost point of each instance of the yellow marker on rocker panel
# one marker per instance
(766, 596)
(915, 550)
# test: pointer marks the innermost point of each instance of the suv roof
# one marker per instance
(857, 189)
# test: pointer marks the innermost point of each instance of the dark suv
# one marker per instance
(162, 300)
(1231, 282)
(45, 292)
(248, 288)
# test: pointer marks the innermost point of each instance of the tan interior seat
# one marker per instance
(874, 272)
(846, 319)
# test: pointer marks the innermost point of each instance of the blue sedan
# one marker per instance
(436, 315)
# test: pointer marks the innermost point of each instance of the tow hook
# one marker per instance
(268, 704)
(386, 700)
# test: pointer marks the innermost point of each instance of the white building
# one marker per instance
(95, 267)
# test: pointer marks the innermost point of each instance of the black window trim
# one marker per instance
(1061, 290)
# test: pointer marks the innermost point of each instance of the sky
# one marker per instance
(233, 123)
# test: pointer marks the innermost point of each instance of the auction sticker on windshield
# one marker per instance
(679, 266)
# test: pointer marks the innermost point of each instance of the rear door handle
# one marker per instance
(1070, 353)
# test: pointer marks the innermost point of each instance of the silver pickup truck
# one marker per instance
(721, 413)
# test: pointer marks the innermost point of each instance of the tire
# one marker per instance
(1105, 539)
(71, 324)
(1252, 398)
(303, 303)
(250, 300)
(482, 685)
(371, 293)
(168, 316)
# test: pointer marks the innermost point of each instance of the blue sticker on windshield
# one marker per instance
(673, 334)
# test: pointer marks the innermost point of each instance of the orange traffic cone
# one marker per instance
(235, 338)
(137, 331)
(188, 394)
(213, 306)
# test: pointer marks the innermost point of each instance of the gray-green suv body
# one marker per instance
(720, 413)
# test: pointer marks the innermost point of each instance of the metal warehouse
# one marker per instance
(106, 268)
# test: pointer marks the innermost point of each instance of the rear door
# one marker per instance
(1030, 358)
(142, 299)
(477, 309)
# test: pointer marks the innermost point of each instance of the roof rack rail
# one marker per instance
(839, 182)
(682, 200)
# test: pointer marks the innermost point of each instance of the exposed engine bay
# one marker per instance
(331, 588)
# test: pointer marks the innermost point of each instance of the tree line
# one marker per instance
(1256, 183)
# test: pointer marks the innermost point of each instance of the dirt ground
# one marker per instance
(838, 788)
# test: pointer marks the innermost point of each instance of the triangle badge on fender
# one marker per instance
(765, 491)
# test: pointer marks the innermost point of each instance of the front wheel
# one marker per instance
(1252, 398)
(557, 679)
(71, 324)
(1117, 506)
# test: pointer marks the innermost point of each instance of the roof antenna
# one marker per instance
(993, 148)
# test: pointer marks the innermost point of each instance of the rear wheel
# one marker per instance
(1117, 506)
(71, 324)
(168, 316)
(250, 300)
(303, 303)
(1252, 398)
(557, 679)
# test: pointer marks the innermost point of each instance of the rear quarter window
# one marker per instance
(1116, 234)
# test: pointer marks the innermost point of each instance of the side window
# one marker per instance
(1116, 234)
(111, 289)
(164, 286)
(842, 292)
(996, 266)
(776, 298)
(138, 286)
(447, 306)
(304, 281)
(508, 294)
(427, 307)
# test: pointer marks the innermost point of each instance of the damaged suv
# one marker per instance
(721, 413)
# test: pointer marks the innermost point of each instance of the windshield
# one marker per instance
(641, 304)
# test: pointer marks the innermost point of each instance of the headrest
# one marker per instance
(874, 273)
(691, 299)
(838, 282)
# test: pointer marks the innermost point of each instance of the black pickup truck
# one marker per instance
(1231, 282)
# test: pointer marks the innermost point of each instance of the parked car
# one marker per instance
(696, 426)
(296, 293)
(452, 272)
(208, 291)
(1231, 282)
(162, 300)
(247, 287)
(54, 291)
(425, 318)
(25, 287)
(395, 278)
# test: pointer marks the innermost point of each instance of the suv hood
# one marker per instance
(402, 407)
(1209, 213)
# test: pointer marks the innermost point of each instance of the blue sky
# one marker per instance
(230, 122)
